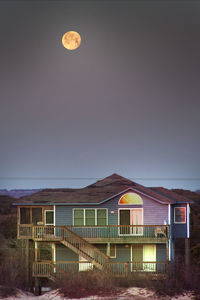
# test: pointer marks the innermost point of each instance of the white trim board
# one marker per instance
(47, 210)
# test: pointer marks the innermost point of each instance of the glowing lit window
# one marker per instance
(179, 215)
(131, 198)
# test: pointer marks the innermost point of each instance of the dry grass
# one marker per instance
(87, 283)
(183, 280)
(11, 271)
(83, 284)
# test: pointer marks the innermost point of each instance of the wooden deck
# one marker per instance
(115, 269)
(98, 234)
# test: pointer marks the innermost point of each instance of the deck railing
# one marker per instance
(109, 232)
(126, 268)
(25, 231)
(42, 269)
(117, 231)
(116, 269)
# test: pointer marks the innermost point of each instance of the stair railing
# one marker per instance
(85, 247)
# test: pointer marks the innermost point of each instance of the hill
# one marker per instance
(18, 193)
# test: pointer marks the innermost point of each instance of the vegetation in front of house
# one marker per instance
(11, 268)
(86, 283)
(93, 282)
(11, 261)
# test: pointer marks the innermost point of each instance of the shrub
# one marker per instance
(183, 279)
(86, 283)
(11, 271)
(7, 291)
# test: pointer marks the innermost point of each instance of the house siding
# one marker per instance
(123, 253)
(161, 252)
(161, 256)
(178, 230)
(63, 253)
(154, 212)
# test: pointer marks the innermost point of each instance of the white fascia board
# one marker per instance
(188, 220)
(169, 214)
(54, 215)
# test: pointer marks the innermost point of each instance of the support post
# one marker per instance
(167, 258)
(126, 269)
(26, 252)
(108, 250)
(187, 260)
(187, 253)
(37, 287)
(31, 259)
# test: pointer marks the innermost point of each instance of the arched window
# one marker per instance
(131, 198)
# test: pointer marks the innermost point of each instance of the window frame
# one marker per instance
(115, 250)
(185, 220)
(142, 202)
(84, 218)
(74, 216)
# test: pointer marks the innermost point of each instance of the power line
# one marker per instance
(97, 178)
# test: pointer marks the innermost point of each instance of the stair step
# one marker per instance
(79, 244)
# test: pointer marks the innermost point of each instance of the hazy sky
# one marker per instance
(126, 101)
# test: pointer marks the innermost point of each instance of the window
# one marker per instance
(180, 215)
(90, 217)
(131, 199)
(49, 217)
(25, 217)
(36, 215)
(78, 217)
(101, 217)
(112, 250)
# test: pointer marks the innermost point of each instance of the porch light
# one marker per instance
(112, 211)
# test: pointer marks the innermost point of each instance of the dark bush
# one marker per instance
(8, 227)
(87, 283)
(12, 273)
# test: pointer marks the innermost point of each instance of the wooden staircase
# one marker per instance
(84, 249)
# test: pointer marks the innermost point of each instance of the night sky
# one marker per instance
(126, 101)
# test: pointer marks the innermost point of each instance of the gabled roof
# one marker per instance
(175, 197)
(96, 193)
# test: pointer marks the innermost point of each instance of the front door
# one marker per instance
(136, 219)
(49, 221)
(124, 221)
(129, 217)
(149, 255)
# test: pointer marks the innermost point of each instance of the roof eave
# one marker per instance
(97, 203)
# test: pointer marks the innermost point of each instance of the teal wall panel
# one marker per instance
(64, 253)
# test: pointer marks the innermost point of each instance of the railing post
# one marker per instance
(62, 233)
(33, 232)
(126, 269)
(108, 249)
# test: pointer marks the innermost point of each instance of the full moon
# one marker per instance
(71, 40)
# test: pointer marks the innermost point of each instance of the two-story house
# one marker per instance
(114, 225)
